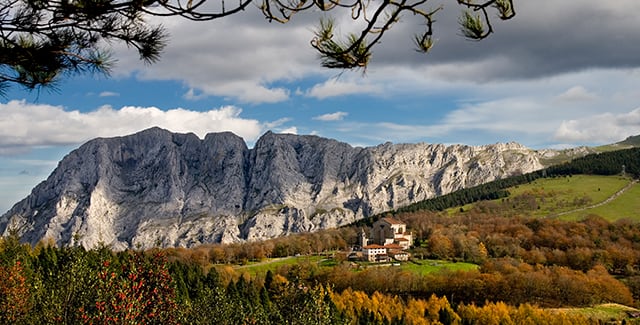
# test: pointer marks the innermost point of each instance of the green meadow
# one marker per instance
(605, 313)
(419, 267)
(255, 268)
(431, 266)
(571, 198)
(562, 194)
(625, 206)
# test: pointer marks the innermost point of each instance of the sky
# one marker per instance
(559, 74)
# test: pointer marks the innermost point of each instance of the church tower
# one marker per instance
(363, 240)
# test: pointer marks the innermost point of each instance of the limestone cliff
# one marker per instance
(157, 188)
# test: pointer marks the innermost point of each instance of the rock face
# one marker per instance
(157, 188)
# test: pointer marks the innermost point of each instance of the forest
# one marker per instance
(528, 268)
(50, 285)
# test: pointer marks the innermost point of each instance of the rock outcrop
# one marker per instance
(157, 188)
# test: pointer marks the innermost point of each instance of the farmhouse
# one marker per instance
(388, 240)
(375, 253)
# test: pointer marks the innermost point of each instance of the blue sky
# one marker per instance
(559, 74)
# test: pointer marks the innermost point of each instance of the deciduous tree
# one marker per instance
(14, 294)
(139, 291)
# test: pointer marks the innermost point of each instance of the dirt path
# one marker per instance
(609, 199)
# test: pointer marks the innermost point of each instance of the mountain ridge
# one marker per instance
(157, 188)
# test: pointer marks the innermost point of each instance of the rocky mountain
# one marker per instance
(157, 188)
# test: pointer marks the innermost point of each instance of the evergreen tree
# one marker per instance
(43, 40)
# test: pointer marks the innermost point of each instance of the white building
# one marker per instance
(375, 253)
(388, 239)
(391, 231)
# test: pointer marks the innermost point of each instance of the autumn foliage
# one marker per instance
(14, 293)
(138, 291)
(103, 287)
(525, 266)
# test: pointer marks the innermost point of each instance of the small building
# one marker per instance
(396, 252)
(399, 255)
(374, 253)
(388, 240)
(391, 231)
(404, 243)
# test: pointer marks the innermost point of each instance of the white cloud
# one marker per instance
(108, 94)
(576, 93)
(238, 57)
(359, 133)
(277, 124)
(510, 86)
(249, 93)
(527, 111)
(192, 94)
(336, 87)
(602, 127)
(337, 116)
(290, 130)
(507, 115)
(27, 125)
(244, 58)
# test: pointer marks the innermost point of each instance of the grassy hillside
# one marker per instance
(421, 267)
(272, 264)
(621, 162)
(562, 194)
(570, 198)
(604, 313)
(431, 266)
(633, 141)
(630, 142)
(624, 206)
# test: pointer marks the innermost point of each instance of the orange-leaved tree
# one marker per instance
(14, 294)
(137, 290)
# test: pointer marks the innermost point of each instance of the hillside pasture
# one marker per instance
(625, 206)
(557, 196)
(255, 268)
(562, 194)
(604, 313)
(419, 266)
(423, 267)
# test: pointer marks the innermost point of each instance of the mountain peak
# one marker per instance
(161, 188)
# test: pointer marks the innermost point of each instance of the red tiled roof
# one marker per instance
(393, 246)
(402, 239)
(392, 221)
(373, 246)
